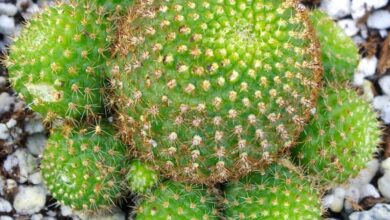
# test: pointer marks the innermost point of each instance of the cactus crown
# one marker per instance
(211, 89)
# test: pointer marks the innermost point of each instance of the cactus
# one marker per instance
(210, 90)
(57, 62)
(202, 92)
(275, 193)
(341, 138)
(141, 177)
(173, 200)
(339, 54)
(85, 168)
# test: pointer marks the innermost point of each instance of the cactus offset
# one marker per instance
(141, 178)
(339, 53)
(178, 201)
(210, 90)
(56, 64)
(85, 169)
(341, 138)
(275, 193)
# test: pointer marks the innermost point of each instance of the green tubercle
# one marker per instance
(141, 177)
(276, 193)
(340, 55)
(208, 90)
(57, 62)
(341, 138)
(173, 200)
(84, 168)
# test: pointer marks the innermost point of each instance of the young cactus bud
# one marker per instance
(141, 177)
(276, 193)
(85, 169)
(174, 200)
(56, 64)
(341, 138)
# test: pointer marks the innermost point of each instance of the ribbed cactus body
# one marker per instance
(141, 177)
(85, 169)
(56, 64)
(210, 89)
(341, 138)
(178, 201)
(339, 53)
(275, 193)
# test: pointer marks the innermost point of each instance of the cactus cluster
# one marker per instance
(206, 109)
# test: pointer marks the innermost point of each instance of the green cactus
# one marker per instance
(341, 138)
(340, 56)
(173, 200)
(210, 90)
(275, 193)
(114, 4)
(57, 62)
(141, 177)
(85, 169)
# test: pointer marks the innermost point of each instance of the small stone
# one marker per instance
(29, 199)
(5, 206)
(380, 102)
(11, 123)
(336, 8)
(2, 185)
(4, 132)
(385, 114)
(8, 9)
(368, 190)
(6, 101)
(36, 143)
(366, 67)
(379, 20)
(114, 214)
(386, 165)
(349, 26)
(34, 126)
(384, 186)
(23, 161)
(7, 25)
(335, 200)
(379, 212)
(37, 217)
(384, 83)
(10, 186)
(359, 8)
(4, 217)
(352, 196)
(35, 178)
(66, 210)
(367, 174)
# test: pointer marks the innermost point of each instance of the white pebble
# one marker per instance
(367, 174)
(8, 9)
(384, 83)
(37, 217)
(336, 8)
(360, 7)
(66, 211)
(368, 190)
(36, 143)
(352, 196)
(386, 165)
(10, 185)
(2, 185)
(29, 199)
(6, 101)
(335, 200)
(35, 178)
(366, 67)
(5, 206)
(11, 123)
(34, 126)
(7, 25)
(380, 102)
(4, 132)
(385, 114)
(3, 217)
(25, 162)
(383, 33)
(349, 26)
(379, 20)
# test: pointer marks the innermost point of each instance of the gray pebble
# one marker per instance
(378, 212)
(36, 143)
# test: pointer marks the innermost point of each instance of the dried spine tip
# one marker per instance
(85, 169)
(58, 70)
(196, 86)
(341, 138)
(275, 193)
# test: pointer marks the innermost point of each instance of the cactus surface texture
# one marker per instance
(340, 55)
(341, 138)
(85, 168)
(275, 193)
(174, 200)
(56, 63)
(209, 90)
(141, 177)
